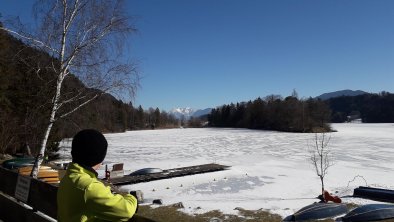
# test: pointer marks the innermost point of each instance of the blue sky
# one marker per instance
(206, 53)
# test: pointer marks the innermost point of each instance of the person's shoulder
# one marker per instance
(81, 180)
(96, 187)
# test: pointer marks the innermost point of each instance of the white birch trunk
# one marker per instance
(40, 156)
(52, 119)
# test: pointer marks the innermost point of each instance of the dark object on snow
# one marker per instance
(321, 198)
(370, 212)
(157, 201)
(18, 163)
(318, 211)
(177, 205)
(374, 194)
(146, 171)
(139, 176)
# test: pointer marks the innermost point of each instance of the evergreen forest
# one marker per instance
(370, 108)
(274, 113)
(304, 115)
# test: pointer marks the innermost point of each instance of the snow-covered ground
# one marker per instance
(269, 170)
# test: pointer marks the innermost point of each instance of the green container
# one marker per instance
(18, 162)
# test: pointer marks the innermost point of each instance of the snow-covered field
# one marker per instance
(269, 170)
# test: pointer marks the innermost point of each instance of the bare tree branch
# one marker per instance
(78, 107)
(38, 42)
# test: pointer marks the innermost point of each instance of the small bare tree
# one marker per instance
(86, 39)
(320, 155)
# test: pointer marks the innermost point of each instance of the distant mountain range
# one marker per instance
(346, 92)
(188, 112)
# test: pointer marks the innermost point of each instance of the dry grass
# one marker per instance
(172, 214)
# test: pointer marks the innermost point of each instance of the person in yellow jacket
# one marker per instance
(81, 196)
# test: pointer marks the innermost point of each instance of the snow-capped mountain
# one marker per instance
(182, 112)
(189, 112)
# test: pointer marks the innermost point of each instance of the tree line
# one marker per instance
(304, 115)
(274, 113)
(370, 108)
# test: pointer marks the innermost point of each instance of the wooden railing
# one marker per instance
(20, 202)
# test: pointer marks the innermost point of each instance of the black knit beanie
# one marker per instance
(89, 147)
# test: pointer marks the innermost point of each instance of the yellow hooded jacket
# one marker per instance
(82, 197)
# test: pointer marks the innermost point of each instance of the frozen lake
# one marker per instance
(269, 170)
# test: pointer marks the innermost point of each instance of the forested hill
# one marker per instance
(299, 115)
(370, 108)
(274, 113)
(25, 97)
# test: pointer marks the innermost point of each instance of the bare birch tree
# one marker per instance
(86, 39)
(320, 155)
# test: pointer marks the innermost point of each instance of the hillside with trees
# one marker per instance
(370, 108)
(26, 95)
(274, 113)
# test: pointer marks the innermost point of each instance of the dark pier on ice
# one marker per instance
(176, 172)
